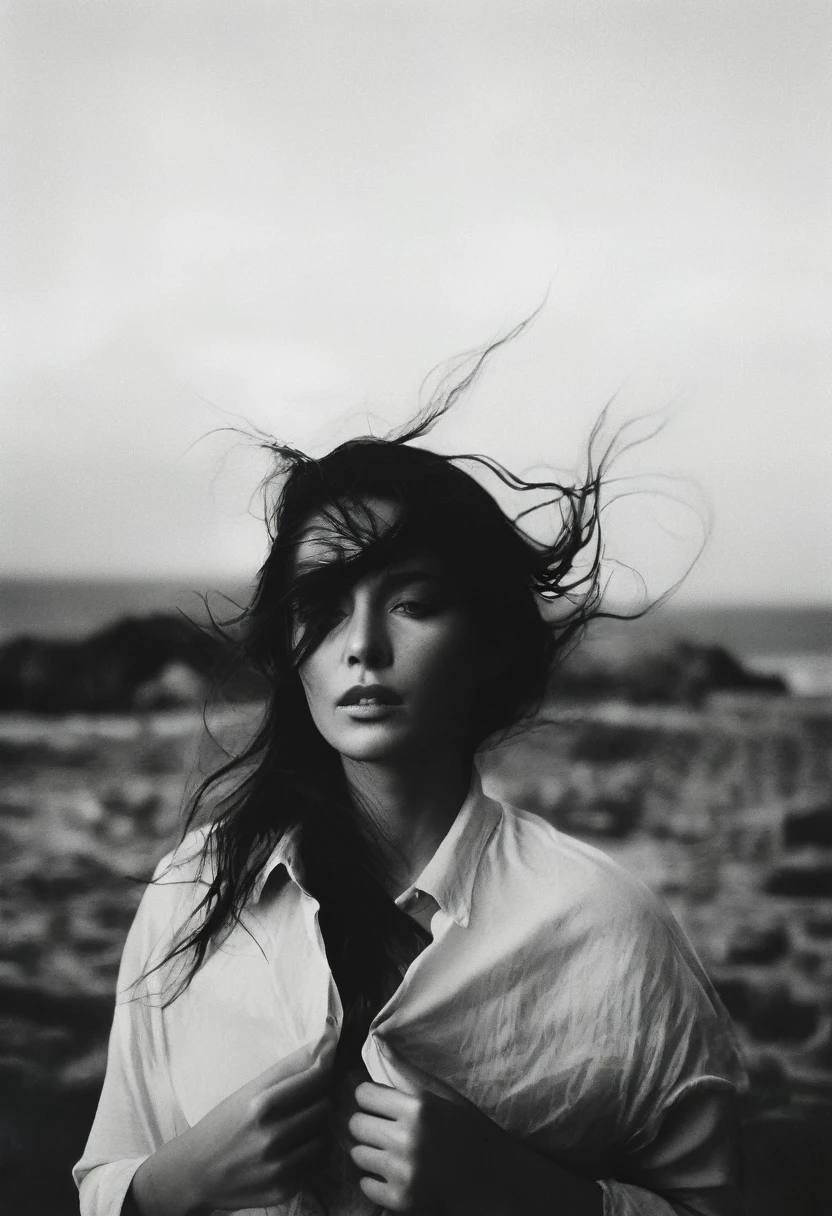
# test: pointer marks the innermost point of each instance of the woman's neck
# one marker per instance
(413, 804)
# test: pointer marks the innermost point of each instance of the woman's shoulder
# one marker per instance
(183, 875)
(170, 899)
(568, 880)
(561, 868)
(607, 923)
(188, 861)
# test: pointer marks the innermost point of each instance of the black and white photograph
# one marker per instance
(416, 608)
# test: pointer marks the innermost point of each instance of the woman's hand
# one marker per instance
(251, 1150)
(420, 1152)
(415, 1151)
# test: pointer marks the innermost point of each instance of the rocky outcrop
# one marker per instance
(678, 673)
(148, 662)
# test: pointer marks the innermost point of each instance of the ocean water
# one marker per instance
(795, 642)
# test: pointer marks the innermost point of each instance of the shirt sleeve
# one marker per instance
(136, 1113)
(682, 1154)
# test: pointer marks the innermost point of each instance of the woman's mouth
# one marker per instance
(371, 711)
(369, 701)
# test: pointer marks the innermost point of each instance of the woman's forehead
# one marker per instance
(342, 531)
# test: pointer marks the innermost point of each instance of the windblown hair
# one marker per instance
(289, 777)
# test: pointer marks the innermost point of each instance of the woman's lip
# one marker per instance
(369, 710)
(369, 693)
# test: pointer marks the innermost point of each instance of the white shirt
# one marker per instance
(558, 995)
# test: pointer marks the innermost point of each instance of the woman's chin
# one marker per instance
(373, 743)
(369, 752)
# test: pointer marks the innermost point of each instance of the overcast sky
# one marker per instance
(288, 213)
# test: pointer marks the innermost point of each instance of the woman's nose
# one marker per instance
(368, 641)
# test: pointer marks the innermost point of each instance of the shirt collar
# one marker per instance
(449, 875)
(285, 853)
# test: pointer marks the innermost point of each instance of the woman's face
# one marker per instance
(394, 676)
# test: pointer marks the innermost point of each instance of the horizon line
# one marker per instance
(200, 579)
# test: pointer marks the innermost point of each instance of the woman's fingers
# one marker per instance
(372, 1130)
(377, 1191)
(304, 1125)
(371, 1160)
(382, 1100)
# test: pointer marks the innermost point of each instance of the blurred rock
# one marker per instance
(86, 1071)
(176, 684)
(146, 661)
(819, 925)
(776, 1016)
(769, 1010)
(816, 964)
(673, 673)
(758, 944)
(612, 815)
(809, 827)
(736, 997)
(808, 879)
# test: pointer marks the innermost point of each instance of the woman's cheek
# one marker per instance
(448, 669)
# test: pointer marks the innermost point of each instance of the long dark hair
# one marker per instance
(288, 777)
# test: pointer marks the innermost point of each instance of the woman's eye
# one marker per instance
(415, 608)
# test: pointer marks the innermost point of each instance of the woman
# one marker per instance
(366, 986)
